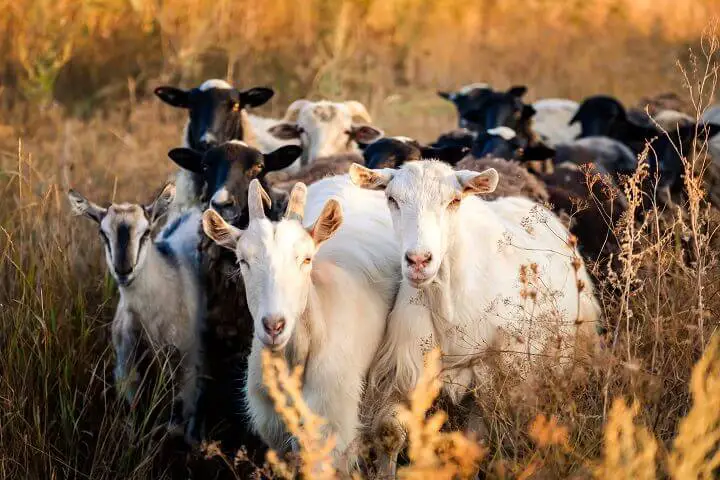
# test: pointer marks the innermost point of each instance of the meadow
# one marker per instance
(76, 109)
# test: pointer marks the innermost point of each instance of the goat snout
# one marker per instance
(273, 325)
(416, 259)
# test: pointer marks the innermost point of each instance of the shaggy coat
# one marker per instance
(461, 290)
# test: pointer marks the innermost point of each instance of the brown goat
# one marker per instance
(319, 169)
(515, 181)
(589, 197)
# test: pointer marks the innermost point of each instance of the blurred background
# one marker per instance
(85, 55)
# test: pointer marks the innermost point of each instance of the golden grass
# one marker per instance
(88, 53)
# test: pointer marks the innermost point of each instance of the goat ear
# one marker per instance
(446, 95)
(365, 133)
(187, 158)
(327, 223)
(160, 205)
(474, 183)
(219, 231)
(517, 90)
(255, 97)
(281, 158)
(176, 97)
(528, 111)
(285, 131)
(370, 179)
(80, 205)
(451, 155)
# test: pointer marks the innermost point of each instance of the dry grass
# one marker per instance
(59, 417)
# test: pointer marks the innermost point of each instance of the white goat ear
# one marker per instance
(327, 223)
(474, 183)
(285, 131)
(80, 205)
(162, 202)
(219, 230)
(371, 179)
(258, 200)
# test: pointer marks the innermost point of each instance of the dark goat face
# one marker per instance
(500, 142)
(468, 98)
(214, 109)
(600, 115)
(228, 169)
(496, 109)
(391, 152)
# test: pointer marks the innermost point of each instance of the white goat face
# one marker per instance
(424, 198)
(275, 260)
(125, 230)
(326, 128)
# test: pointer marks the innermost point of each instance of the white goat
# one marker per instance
(325, 128)
(315, 298)
(461, 291)
(160, 291)
(552, 120)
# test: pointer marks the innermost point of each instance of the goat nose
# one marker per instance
(273, 325)
(417, 259)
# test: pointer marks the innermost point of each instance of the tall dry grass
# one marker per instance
(88, 53)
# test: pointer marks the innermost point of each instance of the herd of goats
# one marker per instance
(469, 244)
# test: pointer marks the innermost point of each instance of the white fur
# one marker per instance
(669, 120)
(506, 133)
(339, 316)
(551, 120)
(214, 83)
(471, 298)
(464, 90)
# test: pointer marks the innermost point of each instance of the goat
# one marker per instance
(216, 114)
(325, 128)
(160, 290)
(394, 151)
(226, 172)
(317, 304)
(460, 256)
(602, 115)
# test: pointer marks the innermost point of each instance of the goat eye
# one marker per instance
(307, 261)
(243, 262)
(392, 202)
(454, 203)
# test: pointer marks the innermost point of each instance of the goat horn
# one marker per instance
(358, 111)
(258, 199)
(296, 203)
(293, 111)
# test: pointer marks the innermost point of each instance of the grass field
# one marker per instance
(75, 111)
